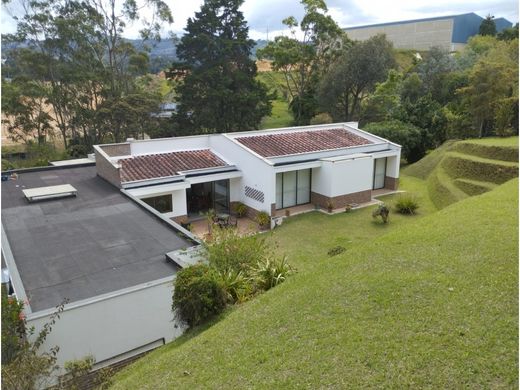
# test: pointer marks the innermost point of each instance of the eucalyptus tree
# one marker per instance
(75, 51)
(353, 76)
(305, 55)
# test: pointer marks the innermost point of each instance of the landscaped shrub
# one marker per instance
(198, 294)
(240, 209)
(321, 118)
(336, 250)
(382, 211)
(237, 286)
(263, 219)
(13, 327)
(271, 272)
(406, 204)
(227, 250)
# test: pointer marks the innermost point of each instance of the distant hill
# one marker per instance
(162, 53)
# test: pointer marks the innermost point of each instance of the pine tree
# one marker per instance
(219, 92)
(488, 26)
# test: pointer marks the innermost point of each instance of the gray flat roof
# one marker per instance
(79, 247)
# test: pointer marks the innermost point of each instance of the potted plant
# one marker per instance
(330, 206)
(263, 219)
(287, 212)
(240, 209)
(348, 208)
(185, 223)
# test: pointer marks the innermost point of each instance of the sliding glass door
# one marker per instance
(202, 197)
(379, 173)
(293, 188)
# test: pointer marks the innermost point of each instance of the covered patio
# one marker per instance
(202, 227)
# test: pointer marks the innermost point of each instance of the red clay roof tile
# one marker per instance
(283, 144)
(167, 164)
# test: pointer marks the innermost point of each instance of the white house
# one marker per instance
(112, 250)
(266, 170)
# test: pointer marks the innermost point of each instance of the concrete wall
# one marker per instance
(166, 145)
(392, 165)
(106, 169)
(113, 150)
(113, 324)
(341, 177)
(419, 35)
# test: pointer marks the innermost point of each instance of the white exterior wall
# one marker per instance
(180, 207)
(176, 190)
(112, 324)
(256, 173)
(167, 145)
(392, 165)
(421, 35)
(342, 177)
(235, 190)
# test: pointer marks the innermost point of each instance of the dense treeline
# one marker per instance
(76, 76)
(442, 95)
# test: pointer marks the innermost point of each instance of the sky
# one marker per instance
(265, 16)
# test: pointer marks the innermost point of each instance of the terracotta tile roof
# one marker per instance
(282, 144)
(167, 164)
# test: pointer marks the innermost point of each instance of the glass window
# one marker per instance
(379, 173)
(304, 186)
(289, 189)
(162, 203)
(293, 188)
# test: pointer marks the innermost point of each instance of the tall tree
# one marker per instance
(493, 83)
(76, 52)
(488, 26)
(219, 92)
(353, 76)
(306, 55)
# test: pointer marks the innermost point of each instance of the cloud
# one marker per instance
(263, 15)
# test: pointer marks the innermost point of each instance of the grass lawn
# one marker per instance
(496, 141)
(280, 116)
(428, 301)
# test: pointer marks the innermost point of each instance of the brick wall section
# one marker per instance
(107, 171)
(342, 200)
(116, 149)
(391, 183)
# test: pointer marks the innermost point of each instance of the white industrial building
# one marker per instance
(448, 32)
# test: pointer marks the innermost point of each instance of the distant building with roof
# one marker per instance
(449, 32)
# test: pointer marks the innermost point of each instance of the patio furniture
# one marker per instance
(222, 219)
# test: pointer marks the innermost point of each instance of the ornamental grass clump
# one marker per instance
(382, 211)
(271, 272)
(406, 204)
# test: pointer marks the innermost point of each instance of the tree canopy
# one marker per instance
(219, 92)
(488, 26)
(353, 76)
(304, 60)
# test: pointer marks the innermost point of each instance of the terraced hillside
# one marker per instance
(459, 169)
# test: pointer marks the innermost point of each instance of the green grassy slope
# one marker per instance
(460, 169)
(430, 303)
(280, 116)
